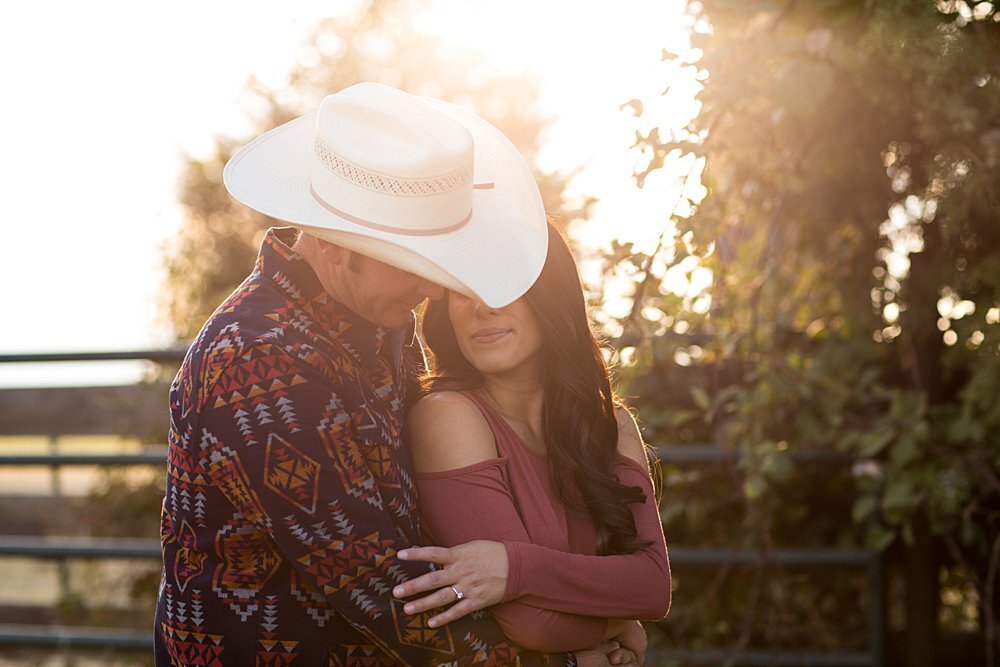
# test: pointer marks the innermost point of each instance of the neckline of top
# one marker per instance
(493, 415)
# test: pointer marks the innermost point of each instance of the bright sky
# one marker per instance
(102, 100)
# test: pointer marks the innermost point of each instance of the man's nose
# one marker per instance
(432, 291)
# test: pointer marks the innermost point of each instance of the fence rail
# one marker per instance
(160, 356)
(152, 457)
(73, 637)
(129, 411)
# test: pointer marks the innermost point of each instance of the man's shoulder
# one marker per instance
(250, 326)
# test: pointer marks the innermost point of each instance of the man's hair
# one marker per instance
(353, 259)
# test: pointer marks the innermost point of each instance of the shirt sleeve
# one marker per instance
(293, 467)
(630, 586)
(475, 503)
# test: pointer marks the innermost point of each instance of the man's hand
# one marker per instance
(477, 569)
(607, 654)
(632, 637)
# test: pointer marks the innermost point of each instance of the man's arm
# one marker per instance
(285, 452)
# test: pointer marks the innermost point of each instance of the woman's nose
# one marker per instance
(481, 309)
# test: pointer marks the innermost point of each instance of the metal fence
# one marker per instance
(56, 412)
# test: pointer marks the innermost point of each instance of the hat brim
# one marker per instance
(496, 256)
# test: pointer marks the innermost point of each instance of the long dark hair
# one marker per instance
(578, 413)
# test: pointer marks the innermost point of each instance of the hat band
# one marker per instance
(387, 228)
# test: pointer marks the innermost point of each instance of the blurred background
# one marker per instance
(788, 219)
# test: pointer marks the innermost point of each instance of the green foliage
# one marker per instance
(380, 41)
(852, 227)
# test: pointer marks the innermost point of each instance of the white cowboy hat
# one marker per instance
(415, 182)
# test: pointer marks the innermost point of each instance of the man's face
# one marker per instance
(384, 294)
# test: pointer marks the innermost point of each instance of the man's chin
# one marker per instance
(399, 315)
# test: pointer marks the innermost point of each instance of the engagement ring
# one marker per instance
(458, 593)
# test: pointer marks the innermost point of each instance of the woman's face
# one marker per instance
(495, 340)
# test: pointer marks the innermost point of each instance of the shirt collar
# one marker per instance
(291, 273)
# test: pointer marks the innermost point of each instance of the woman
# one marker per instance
(518, 439)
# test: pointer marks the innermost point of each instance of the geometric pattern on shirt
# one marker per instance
(256, 390)
(217, 356)
(248, 560)
(336, 433)
(190, 561)
(184, 630)
(412, 630)
(190, 648)
(291, 474)
(378, 436)
(349, 566)
(271, 650)
(362, 655)
(226, 470)
(188, 483)
(315, 604)
(260, 370)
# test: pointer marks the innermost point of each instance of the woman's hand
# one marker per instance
(478, 570)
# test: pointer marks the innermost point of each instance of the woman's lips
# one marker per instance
(489, 335)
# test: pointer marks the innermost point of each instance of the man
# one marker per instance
(289, 493)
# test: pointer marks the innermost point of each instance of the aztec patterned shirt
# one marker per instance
(289, 491)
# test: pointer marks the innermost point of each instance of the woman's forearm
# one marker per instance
(635, 585)
(551, 631)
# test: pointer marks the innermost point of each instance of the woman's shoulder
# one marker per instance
(448, 431)
(630, 443)
(446, 408)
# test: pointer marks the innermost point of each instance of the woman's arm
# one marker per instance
(634, 585)
(464, 496)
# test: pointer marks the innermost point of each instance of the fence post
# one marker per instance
(876, 609)
(54, 467)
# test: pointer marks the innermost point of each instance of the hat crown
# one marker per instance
(387, 131)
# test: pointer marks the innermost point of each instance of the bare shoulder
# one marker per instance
(447, 431)
(629, 440)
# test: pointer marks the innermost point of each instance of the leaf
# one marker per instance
(754, 487)
(701, 398)
(908, 534)
(863, 508)
(900, 494)
(879, 538)
(681, 417)
(904, 450)
(777, 465)
(872, 444)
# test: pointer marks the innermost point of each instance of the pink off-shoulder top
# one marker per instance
(559, 594)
